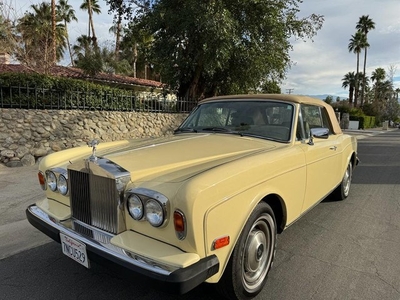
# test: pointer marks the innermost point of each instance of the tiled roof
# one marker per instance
(76, 73)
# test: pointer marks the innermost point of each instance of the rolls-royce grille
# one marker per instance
(94, 200)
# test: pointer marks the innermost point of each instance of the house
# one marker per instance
(113, 80)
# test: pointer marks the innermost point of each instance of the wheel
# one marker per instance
(252, 257)
(343, 190)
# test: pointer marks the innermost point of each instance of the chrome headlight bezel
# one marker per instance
(154, 204)
(57, 180)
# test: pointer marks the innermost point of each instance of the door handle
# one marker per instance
(333, 148)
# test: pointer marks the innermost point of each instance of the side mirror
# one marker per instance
(320, 132)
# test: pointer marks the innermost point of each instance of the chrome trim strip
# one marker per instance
(100, 241)
(145, 194)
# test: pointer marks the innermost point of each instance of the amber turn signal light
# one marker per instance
(180, 224)
(221, 242)
(42, 180)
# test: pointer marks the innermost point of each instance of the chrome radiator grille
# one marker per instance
(96, 197)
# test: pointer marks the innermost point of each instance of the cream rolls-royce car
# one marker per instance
(203, 205)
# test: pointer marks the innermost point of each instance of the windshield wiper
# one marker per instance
(186, 129)
(216, 129)
(222, 130)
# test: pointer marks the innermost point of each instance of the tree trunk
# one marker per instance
(351, 92)
(69, 45)
(356, 85)
(91, 25)
(118, 36)
(53, 29)
(135, 55)
(364, 77)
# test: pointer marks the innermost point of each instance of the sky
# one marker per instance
(318, 65)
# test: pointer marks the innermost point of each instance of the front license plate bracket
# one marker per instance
(74, 249)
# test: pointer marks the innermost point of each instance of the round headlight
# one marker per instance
(62, 185)
(135, 207)
(154, 213)
(51, 180)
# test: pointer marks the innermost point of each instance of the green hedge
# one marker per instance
(365, 121)
(42, 91)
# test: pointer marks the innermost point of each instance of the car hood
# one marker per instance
(180, 157)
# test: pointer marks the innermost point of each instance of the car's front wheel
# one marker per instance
(343, 190)
(251, 260)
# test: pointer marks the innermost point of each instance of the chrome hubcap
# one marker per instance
(346, 181)
(258, 252)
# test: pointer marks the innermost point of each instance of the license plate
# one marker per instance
(74, 249)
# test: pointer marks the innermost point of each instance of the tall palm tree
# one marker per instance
(119, 8)
(378, 75)
(91, 6)
(358, 42)
(364, 25)
(36, 38)
(380, 87)
(349, 81)
(53, 29)
(67, 15)
(118, 31)
(88, 58)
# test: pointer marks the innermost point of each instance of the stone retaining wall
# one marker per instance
(27, 135)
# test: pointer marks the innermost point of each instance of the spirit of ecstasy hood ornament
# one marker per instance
(93, 144)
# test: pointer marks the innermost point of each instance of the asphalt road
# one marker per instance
(339, 250)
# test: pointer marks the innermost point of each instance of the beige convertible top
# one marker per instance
(284, 97)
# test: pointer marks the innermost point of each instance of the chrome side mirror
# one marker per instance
(320, 132)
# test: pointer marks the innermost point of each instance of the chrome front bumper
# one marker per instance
(178, 280)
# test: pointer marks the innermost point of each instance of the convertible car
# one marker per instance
(203, 205)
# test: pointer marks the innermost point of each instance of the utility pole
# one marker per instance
(289, 91)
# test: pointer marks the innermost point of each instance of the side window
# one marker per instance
(314, 117)
(325, 120)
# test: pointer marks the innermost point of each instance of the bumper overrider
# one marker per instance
(99, 249)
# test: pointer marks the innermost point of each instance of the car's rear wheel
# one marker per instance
(251, 260)
(343, 190)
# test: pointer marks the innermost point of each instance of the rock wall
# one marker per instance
(27, 135)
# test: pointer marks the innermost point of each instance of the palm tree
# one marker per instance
(378, 76)
(67, 14)
(358, 42)
(135, 47)
(36, 38)
(364, 25)
(117, 30)
(363, 81)
(7, 41)
(349, 81)
(88, 56)
(397, 91)
(91, 6)
(118, 7)
(53, 29)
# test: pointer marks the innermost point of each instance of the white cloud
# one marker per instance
(320, 65)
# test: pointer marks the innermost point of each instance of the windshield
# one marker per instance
(265, 119)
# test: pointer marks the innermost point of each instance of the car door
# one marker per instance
(322, 155)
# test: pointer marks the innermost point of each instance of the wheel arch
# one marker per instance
(279, 208)
(354, 160)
